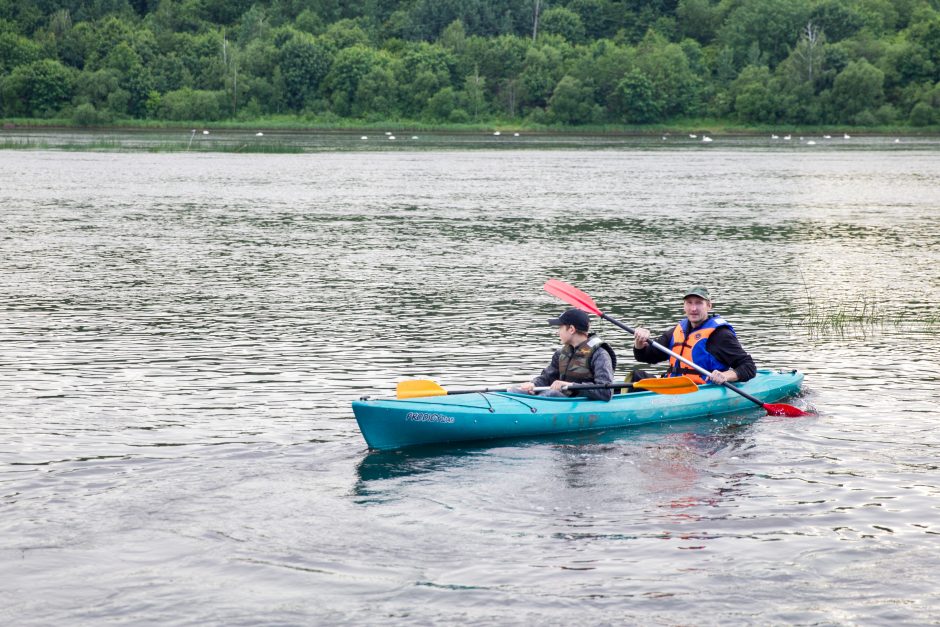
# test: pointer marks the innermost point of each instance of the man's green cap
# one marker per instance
(699, 291)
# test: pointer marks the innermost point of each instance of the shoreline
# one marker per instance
(294, 125)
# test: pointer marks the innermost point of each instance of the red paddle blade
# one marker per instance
(572, 295)
(782, 409)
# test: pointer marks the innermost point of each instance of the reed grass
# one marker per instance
(866, 314)
(130, 145)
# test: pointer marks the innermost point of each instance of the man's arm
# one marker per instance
(726, 347)
(651, 355)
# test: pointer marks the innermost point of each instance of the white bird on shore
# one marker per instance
(811, 143)
(706, 138)
(773, 136)
(692, 135)
(827, 136)
(259, 134)
(205, 132)
(787, 137)
(496, 133)
(846, 136)
(364, 137)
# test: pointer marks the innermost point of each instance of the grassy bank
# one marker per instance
(329, 123)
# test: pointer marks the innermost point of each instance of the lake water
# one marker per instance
(182, 335)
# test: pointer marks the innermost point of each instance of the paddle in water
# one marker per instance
(582, 301)
(673, 385)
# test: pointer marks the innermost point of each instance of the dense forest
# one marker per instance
(563, 62)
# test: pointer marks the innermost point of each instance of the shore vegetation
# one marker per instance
(591, 65)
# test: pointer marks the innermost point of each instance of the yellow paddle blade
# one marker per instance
(418, 388)
(669, 385)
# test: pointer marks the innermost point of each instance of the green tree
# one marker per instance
(634, 100)
(770, 26)
(597, 17)
(349, 67)
(922, 115)
(428, 18)
(345, 34)
(377, 91)
(474, 94)
(37, 89)
(668, 69)
(305, 62)
(441, 104)
(573, 103)
(16, 50)
(543, 68)
(94, 87)
(836, 19)
(193, 105)
(927, 34)
(425, 69)
(879, 16)
(698, 19)
(563, 22)
(906, 62)
(755, 97)
(600, 66)
(857, 88)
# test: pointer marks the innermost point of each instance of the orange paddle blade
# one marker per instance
(668, 385)
(419, 387)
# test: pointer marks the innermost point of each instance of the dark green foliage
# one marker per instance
(634, 100)
(836, 19)
(192, 104)
(563, 22)
(16, 50)
(569, 62)
(571, 103)
(39, 88)
(304, 62)
(857, 89)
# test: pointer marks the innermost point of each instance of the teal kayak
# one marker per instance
(391, 424)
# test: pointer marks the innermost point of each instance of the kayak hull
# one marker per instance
(392, 424)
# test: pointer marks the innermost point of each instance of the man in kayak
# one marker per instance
(583, 358)
(703, 338)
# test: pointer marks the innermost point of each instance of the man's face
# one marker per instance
(696, 309)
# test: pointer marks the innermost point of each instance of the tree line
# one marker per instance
(565, 62)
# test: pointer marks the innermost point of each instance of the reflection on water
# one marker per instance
(183, 334)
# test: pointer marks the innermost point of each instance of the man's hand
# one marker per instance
(718, 377)
(641, 338)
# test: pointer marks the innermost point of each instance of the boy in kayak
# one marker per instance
(583, 358)
(703, 338)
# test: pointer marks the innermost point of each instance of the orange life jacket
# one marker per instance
(691, 346)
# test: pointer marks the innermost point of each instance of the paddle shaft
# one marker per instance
(570, 386)
(699, 369)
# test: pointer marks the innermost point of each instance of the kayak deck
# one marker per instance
(390, 423)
